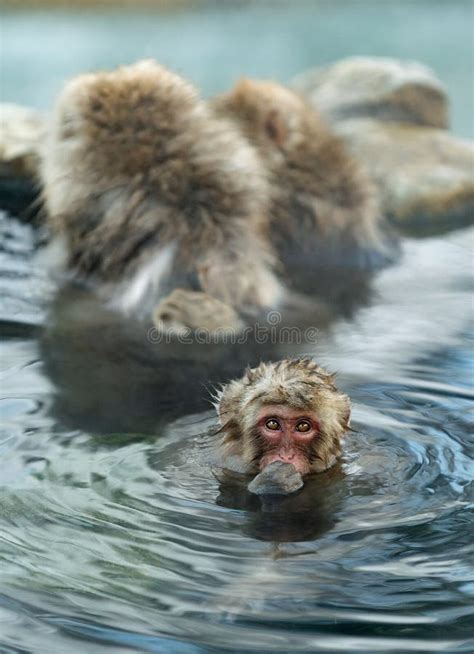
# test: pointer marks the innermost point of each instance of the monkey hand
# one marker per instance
(186, 311)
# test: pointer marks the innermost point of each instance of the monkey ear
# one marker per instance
(275, 127)
(228, 402)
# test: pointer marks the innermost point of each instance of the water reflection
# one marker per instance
(110, 377)
(114, 375)
(305, 515)
(114, 533)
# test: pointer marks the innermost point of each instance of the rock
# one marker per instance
(393, 115)
(424, 175)
(377, 87)
(20, 136)
(21, 131)
(277, 478)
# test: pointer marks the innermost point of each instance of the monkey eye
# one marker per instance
(303, 426)
(272, 424)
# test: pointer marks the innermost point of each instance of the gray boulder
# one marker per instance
(21, 131)
(425, 176)
(393, 115)
(386, 89)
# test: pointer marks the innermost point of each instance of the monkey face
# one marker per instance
(288, 435)
(289, 411)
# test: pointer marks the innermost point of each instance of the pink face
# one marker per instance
(287, 435)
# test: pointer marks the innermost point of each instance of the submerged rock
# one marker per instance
(382, 88)
(277, 478)
(393, 115)
(21, 130)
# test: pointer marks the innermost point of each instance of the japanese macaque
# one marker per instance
(324, 209)
(288, 412)
(148, 191)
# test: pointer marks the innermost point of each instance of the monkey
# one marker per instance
(286, 412)
(148, 191)
(325, 219)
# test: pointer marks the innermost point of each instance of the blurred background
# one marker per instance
(214, 43)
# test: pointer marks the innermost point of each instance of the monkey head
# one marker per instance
(288, 412)
(324, 207)
(271, 115)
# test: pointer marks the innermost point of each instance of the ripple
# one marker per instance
(127, 540)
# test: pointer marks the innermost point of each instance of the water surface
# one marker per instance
(125, 539)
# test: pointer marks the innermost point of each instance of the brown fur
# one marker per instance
(323, 206)
(135, 162)
(297, 383)
(184, 311)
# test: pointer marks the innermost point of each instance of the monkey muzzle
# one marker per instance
(287, 454)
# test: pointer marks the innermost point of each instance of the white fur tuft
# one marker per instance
(145, 283)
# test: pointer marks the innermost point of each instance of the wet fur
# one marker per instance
(298, 383)
(145, 186)
(324, 208)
